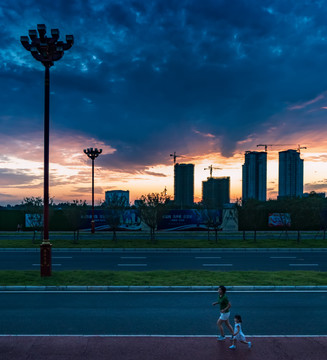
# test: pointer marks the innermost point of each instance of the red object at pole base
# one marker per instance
(45, 259)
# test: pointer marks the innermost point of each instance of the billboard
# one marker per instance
(190, 220)
(33, 221)
(279, 220)
(130, 221)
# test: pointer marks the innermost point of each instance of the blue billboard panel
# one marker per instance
(191, 219)
(279, 220)
(130, 221)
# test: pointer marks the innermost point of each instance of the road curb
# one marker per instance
(159, 288)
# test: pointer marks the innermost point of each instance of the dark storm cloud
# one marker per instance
(144, 76)
(11, 178)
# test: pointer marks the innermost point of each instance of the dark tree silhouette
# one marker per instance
(74, 212)
(211, 219)
(114, 209)
(152, 207)
(33, 208)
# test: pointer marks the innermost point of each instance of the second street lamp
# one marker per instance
(92, 154)
(46, 50)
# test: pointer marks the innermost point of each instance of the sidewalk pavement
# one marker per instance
(158, 348)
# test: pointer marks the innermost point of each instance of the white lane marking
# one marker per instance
(282, 257)
(217, 264)
(52, 264)
(132, 264)
(208, 257)
(133, 257)
(62, 257)
(303, 264)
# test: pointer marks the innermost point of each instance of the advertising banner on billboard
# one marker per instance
(279, 220)
(33, 221)
(190, 219)
(130, 221)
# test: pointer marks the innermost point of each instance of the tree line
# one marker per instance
(309, 213)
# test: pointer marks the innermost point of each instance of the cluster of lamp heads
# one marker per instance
(92, 153)
(46, 49)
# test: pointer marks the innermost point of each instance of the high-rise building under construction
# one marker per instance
(216, 192)
(184, 185)
(254, 176)
(290, 177)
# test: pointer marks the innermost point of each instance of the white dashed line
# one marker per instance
(132, 264)
(217, 264)
(51, 264)
(303, 264)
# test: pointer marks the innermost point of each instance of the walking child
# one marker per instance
(238, 333)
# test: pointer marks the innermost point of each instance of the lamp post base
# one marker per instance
(92, 227)
(45, 254)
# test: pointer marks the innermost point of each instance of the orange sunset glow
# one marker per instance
(70, 171)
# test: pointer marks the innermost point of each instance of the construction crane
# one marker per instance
(266, 145)
(175, 156)
(212, 168)
(299, 147)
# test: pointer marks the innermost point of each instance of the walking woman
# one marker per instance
(225, 306)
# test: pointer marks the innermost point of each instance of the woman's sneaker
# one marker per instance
(232, 347)
(221, 337)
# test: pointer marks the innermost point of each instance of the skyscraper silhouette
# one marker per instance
(254, 176)
(184, 185)
(290, 177)
(215, 192)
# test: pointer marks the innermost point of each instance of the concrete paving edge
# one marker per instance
(159, 288)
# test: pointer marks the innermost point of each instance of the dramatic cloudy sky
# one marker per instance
(208, 79)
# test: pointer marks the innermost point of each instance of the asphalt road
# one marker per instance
(160, 313)
(168, 260)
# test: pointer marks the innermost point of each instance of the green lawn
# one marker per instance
(165, 278)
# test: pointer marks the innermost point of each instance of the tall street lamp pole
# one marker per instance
(46, 50)
(92, 154)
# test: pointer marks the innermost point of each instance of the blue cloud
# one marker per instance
(143, 74)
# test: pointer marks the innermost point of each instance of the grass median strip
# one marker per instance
(164, 278)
